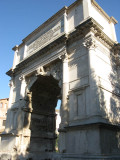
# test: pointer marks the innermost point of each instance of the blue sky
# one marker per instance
(18, 18)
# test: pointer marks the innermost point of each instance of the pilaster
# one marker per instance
(65, 89)
(23, 86)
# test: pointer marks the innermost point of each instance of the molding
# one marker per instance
(15, 48)
(22, 64)
(101, 125)
(82, 29)
(73, 4)
(90, 25)
(10, 72)
(65, 9)
(110, 19)
(72, 156)
(9, 134)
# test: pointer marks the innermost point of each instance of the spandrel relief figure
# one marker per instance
(28, 110)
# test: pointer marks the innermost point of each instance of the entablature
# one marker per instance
(90, 25)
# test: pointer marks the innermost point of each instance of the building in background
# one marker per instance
(3, 113)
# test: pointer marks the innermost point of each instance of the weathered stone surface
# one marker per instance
(69, 58)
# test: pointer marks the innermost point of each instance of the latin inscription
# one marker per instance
(43, 124)
(46, 37)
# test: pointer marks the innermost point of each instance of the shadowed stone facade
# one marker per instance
(74, 57)
(3, 113)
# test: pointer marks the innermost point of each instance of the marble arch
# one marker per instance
(74, 56)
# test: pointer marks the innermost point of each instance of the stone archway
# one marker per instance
(45, 92)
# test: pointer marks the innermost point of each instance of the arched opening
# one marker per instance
(45, 94)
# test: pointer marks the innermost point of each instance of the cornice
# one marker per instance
(10, 72)
(64, 9)
(81, 30)
(15, 48)
(103, 124)
(73, 4)
(110, 19)
(22, 64)
(91, 25)
(50, 20)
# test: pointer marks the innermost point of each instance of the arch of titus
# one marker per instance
(74, 57)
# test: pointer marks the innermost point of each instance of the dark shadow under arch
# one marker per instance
(45, 94)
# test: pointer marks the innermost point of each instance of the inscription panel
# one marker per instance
(46, 36)
(43, 123)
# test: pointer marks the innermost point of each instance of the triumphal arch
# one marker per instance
(72, 57)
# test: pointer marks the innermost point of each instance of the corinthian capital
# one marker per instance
(22, 78)
(116, 49)
(11, 84)
(90, 44)
(64, 57)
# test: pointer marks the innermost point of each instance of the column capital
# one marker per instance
(116, 49)
(22, 78)
(64, 57)
(11, 83)
(90, 43)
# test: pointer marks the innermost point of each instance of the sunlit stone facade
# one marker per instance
(74, 57)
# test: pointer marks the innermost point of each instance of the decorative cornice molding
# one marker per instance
(10, 72)
(58, 42)
(91, 25)
(82, 29)
(15, 48)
